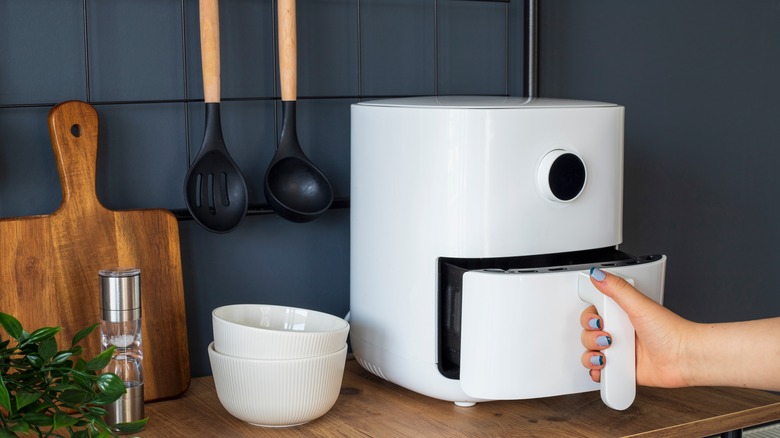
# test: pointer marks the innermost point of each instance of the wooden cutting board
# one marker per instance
(49, 264)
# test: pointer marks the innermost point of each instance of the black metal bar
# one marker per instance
(277, 83)
(275, 43)
(187, 155)
(506, 49)
(435, 47)
(190, 100)
(359, 49)
(532, 49)
(259, 209)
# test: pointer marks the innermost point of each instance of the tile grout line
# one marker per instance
(187, 139)
(86, 50)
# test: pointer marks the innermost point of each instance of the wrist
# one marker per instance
(694, 363)
(705, 344)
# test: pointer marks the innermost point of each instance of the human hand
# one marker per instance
(660, 334)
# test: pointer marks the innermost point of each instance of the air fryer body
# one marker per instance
(490, 200)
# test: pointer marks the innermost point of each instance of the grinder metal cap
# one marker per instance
(120, 290)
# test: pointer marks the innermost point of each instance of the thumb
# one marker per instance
(633, 302)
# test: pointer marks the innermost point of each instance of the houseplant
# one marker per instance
(53, 392)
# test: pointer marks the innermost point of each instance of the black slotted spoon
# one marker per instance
(214, 189)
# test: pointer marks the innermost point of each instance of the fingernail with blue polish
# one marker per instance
(603, 341)
(596, 360)
(597, 274)
(594, 323)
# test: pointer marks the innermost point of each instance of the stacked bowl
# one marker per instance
(277, 366)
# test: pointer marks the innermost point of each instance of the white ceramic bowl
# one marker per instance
(278, 393)
(262, 331)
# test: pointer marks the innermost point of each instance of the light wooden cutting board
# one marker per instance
(49, 264)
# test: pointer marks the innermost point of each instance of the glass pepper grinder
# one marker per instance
(121, 328)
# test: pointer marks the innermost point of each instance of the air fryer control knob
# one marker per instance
(561, 176)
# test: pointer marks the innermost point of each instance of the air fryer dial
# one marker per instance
(561, 176)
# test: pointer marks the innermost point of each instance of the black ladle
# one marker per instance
(214, 189)
(294, 187)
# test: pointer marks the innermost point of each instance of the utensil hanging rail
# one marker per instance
(259, 209)
(186, 100)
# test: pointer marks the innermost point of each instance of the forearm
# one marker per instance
(743, 354)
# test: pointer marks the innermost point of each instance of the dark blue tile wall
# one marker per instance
(247, 49)
(474, 59)
(398, 62)
(29, 182)
(139, 156)
(327, 48)
(41, 51)
(139, 65)
(699, 81)
(135, 50)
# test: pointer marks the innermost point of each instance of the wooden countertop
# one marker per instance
(371, 407)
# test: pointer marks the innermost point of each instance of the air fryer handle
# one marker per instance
(618, 377)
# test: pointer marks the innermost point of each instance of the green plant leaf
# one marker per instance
(35, 360)
(60, 358)
(24, 398)
(86, 420)
(111, 388)
(38, 419)
(64, 385)
(131, 427)
(98, 428)
(80, 365)
(5, 397)
(68, 364)
(21, 426)
(84, 381)
(63, 420)
(110, 382)
(75, 396)
(38, 382)
(4, 433)
(83, 334)
(44, 406)
(11, 325)
(47, 348)
(103, 434)
(23, 337)
(101, 360)
(97, 411)
(44, 333)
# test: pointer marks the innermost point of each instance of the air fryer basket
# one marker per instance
(450, 291)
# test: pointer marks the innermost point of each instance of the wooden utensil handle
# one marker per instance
(288, 48)
(209, 49)
(73, 128)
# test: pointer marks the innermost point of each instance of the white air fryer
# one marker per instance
(474, 223)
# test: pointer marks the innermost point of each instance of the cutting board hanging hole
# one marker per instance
(76, 130)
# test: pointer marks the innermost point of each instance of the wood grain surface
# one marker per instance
(371, 407)
(288, 49)
(49, 263)
(210, 50)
